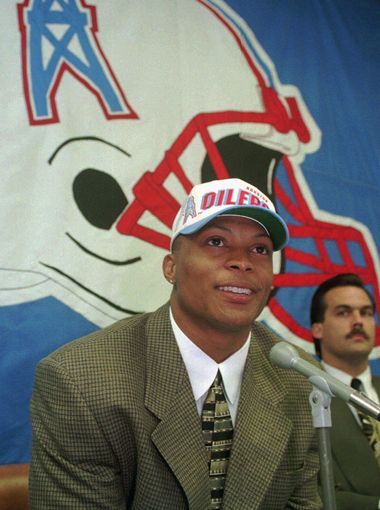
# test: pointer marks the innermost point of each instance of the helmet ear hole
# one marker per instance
(244, 160)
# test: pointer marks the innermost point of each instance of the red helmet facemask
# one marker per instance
(284, 115)
(300, 267)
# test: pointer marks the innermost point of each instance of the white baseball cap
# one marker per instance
(229, 197)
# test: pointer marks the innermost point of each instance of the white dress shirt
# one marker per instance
(202, 370)
(365, 378)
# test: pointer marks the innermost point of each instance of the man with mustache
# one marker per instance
(343, 328)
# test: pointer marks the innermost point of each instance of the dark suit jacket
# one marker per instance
(356, 472)
(115, 426)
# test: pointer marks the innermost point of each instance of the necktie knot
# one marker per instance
(370, 427)
(356, 384)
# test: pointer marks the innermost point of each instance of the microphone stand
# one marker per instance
(320, 399)
(284, 355)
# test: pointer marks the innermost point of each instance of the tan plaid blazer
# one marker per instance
(356, 472)
(115, 426)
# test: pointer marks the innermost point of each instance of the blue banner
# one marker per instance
(111, 111)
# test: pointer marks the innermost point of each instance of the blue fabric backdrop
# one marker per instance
(70, 96)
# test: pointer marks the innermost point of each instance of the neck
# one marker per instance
(351, 367)
(217, 341)
(219, 348)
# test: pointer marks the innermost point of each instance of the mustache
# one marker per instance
(357, 331)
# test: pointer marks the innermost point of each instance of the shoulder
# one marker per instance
(376, 383)
(282, 381)
(267, 338)
(119, 343)
(105, 367)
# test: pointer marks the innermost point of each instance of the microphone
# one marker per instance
(284, 355)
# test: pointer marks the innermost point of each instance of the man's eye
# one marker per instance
(261, 250)
(215, 241)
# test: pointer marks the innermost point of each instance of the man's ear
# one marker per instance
(169, 267)
(317, 330)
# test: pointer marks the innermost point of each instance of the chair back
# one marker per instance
(14, 486)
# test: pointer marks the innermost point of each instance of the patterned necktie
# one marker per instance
(370, 426)
(217, 432)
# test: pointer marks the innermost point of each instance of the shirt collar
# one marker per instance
(365, 377)
(202, 369)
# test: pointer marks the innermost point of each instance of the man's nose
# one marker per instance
(240, 260)
(357, 317)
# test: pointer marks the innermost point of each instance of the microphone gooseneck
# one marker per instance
(285, 355)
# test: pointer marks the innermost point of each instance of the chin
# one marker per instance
(235, 323)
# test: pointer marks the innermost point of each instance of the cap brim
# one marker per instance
(271, 221)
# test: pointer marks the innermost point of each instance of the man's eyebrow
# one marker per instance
(215, 227)
(368, 307)
(206, 228)
(350, 307)
(214, 230)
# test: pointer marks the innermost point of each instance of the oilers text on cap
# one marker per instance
(229, 196)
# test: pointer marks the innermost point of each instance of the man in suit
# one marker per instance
(343, 328)
(124, 418)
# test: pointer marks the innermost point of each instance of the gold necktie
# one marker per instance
(217, 432)
(370, 426)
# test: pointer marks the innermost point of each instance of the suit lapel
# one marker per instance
(261, 434)
(376, 384)
(169, 396)
(352, 451)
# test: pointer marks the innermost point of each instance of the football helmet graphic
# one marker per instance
(207, 103)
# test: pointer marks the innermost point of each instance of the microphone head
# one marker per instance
(283, 355)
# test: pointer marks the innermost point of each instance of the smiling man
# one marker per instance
(181, 408)
(343, 327)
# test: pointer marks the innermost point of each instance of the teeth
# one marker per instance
(238, 290)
